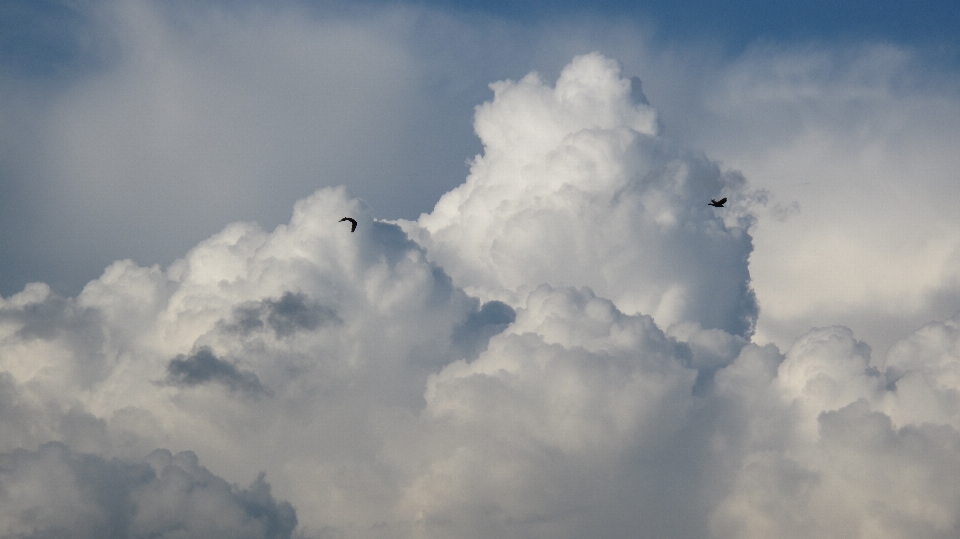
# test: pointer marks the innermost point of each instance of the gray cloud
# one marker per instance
(474, 334)
(290, 313)
(50, 317)
(45, 315)
(203, 367)
(56, 492)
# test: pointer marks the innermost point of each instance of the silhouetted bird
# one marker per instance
(717, 203)
(353, 222)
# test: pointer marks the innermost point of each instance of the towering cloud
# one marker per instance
(575, 188)
(560, 349)
(287, 352)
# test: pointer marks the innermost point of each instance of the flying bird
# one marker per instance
(717, 203)
(353, 222)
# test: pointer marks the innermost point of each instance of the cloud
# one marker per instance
(857, 135)
(537, 436)
(137, 131)
(344, 329)
(56, 492)
(560, 349)
(575, 188)
(164, 122)
(202, 367)
(838, 448)
(290, 313)
(474, 334)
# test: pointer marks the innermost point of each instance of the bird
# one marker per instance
(353, 223)
(717, 203)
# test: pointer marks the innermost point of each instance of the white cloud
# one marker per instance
(189, 117)
(834, 449)
(535, 437)
(574, 188)
(260, 351)
(382, 400)
(861, 137)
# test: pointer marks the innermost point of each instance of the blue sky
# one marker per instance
(44, 37)
(736, 24)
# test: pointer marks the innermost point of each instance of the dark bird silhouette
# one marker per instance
(353, 222)
(717, 203)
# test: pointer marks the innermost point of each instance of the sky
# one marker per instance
(539, 327)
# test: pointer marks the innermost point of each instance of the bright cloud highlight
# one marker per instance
(575, 188)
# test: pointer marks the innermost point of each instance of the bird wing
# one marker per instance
(353, 223)
(722, 200)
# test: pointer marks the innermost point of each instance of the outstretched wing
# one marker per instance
(723, 200)
(353, 223)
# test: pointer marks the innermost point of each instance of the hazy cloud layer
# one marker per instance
(861, 138)
(285, 316)
(580, 397)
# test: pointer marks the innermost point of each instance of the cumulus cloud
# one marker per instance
(839, 450)
(575, 188)
(56, 492)
(560, 349)
(341, 329)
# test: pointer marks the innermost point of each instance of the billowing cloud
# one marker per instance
(574, 188)
(560, 349)
(334, 331)
(56, 492)
(833, 444)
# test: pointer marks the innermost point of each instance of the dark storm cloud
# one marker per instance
(57, 492)
(203, 367)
